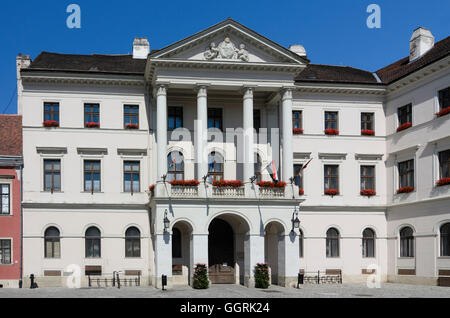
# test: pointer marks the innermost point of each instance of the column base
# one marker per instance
(288, 282)
(249, 282)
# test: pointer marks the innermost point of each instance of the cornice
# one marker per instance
(116, 80)
(351, 89)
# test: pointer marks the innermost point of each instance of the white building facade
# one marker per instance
(111, 143)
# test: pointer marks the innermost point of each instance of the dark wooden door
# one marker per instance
(221, 253)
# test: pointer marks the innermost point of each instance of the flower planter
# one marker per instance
(184, 183)
(301, 191)
(443, 182)
(332, 192)
(368, 193)
(50, 124)
(268, 184)
(200, 279)
(92, 125)
(297, 131)
(331, 132)
(228, 184)
(443, 112)
(262, 276)
(367, 132)
(405, 190)
(131, 126)
(404, 126)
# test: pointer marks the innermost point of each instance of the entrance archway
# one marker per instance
(274, 250)
(181, 256)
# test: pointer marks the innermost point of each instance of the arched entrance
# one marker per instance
(181, 256)
(274, 250)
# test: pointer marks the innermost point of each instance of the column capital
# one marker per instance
(202, 89)
(248, 91)
(286, 92)
(161, 89)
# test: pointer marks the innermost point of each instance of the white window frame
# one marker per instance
(12, 251)
(10, 183)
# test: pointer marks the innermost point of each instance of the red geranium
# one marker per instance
(268, 184)
(368, 193)
(407, 189)
(404, 126)
(297, 131)
(131, 126)
(332, 192)
(228, 184)
(444, 111)
(443, 182)
(51, 123)
(367, 132)
(152, 188)
(301, 191)
(92, 125)
(331, 132)
(184, 183)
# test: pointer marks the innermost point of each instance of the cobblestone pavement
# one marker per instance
(232, 291)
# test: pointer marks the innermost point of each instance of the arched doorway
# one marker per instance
(274, 250)
(181, 253)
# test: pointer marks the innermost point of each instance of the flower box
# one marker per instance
(443, 112)
(442, 182)
(331, 132)
(92, 125)
(184, 183)
(228, 184)
(332, 192)
(268, 184)
(301, 191)
(405, 190)
(404, 126)
(131, 126)
(297, 131)
(367, 132)
(368, 193)
(50, 123)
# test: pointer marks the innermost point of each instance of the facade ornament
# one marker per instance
(212, 52)
(227, 51)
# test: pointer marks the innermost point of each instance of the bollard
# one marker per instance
(164, 281)
(301, 280)
(33, 284)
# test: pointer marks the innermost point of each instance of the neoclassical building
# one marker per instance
(123, 155)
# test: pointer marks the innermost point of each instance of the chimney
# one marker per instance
(298, 49)
(421, 42)
(141, 48)
(22, 61)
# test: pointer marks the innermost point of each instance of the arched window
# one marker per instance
(332, 243)
(445, 239)
(175, 168)
(176, 243)
(93, 242)
(258, 168)
(300, 243)
(52, 243)
(215, 166)
(133, 242)
(406, 242)
(368, 243)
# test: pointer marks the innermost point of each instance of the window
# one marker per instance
(131, 115)
(5, 198)
(444, 98)
(368, 243)
(93, 243)
(298, 176)
(331, 120)
(406, 173)
(367, 177)
(297, 120)
(133, 242)
(300, 243)
(91, 114)
(215, 166)
(332, 243)
(215, 119)
(132, 176)
(258, 168)
(405, 114)
(52, 243)
(445, 239)
(406, 242)
(51, 112)
(175, 118)
(176, 166)
(92, 176)
(5, 252)
(444, 164)
(257, 120)
(176, 243)
(367, 122)
(331, 177)
(52, 175)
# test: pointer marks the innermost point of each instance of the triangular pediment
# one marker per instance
(229, 41)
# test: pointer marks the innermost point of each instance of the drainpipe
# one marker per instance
(21, 226)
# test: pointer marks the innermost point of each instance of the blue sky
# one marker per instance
(333, 32)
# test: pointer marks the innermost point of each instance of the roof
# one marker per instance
(403, 67)
(336, 74)
(95, 63)
(11, 135)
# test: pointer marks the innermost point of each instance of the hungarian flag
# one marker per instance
(300, 172)
(272, 169)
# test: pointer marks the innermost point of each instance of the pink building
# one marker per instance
(11, 164)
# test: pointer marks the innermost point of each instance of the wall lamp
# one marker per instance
(166, 221)
(295, 221)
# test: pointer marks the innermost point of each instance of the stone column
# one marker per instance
(202, 131)
(163, 259)
(287, 163)
(249, 168)
(254, 254)
(161, 132)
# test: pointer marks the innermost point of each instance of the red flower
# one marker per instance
(301, 191)
(131, 126)
(332, 192)
(405, 190)
(444, 111)
(228, 184)
(367, 132)
(92, 125)
(404, 126)
(51, 123)
(297, 131)
(184, 183)
(268, 184)
(368, 193)
(152, 188)
(443, 182)
(331, 132)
